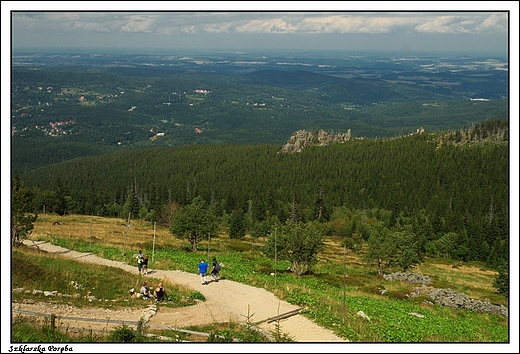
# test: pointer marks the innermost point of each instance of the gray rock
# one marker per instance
(302, 139)
(445, 297)
(413, 278)
(362, 314)
(416, 314)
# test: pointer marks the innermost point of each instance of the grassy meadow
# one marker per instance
(331, 299)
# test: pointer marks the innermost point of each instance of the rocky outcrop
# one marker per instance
(445, 297)
(413, 278)
(302, 139)
(454, 299)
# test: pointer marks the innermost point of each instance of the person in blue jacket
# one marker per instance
(203, 271)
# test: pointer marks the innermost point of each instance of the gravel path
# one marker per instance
(225, 301)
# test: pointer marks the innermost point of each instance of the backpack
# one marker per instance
(217, 267)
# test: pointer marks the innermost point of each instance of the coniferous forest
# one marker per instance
(450, 187)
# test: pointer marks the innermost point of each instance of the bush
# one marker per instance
(501, 282)
(125, 334)
(197, 295)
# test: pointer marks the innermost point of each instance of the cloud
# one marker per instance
(138, 23)
(325, 24)
(443, 24)
(218, 28)
(455, 23)
(277, 25)
(355, 24)
(465, 23)
(494, 23)
(189, 29)
(263, 22)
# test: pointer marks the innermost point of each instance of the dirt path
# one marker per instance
(225, 301)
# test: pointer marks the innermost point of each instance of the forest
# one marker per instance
(449, 189)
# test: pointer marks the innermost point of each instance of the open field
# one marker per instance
(321, 292)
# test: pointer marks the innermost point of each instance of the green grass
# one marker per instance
(32, 269)
(24, 330)
(321, 291)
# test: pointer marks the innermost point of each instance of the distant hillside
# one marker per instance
(64, 113)
(341, 90)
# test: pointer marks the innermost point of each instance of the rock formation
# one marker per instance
(302, 139)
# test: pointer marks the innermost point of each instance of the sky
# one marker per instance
(269, 25)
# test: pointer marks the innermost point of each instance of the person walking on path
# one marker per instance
(144, 264)
(139, 257)
(215, 269)
(203, 271)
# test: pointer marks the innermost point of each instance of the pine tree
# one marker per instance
(22, 223)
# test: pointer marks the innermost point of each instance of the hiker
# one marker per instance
(144, 264)
(160, 293)
(145, 291)
(215, 269)
(203, 270)
(139, 257)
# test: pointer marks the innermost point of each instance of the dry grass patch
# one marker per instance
(475, 282)
(460, 268)
(113, 232)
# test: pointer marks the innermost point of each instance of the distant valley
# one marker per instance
(66, 106)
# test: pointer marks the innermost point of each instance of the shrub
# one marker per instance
(197, 295)
(124, 334)
(501, 282)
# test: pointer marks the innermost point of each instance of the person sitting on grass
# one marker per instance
(160, 293)
(145, 292)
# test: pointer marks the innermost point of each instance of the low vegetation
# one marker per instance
(34, 269)
(320, 291)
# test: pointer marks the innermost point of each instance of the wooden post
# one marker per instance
(285, 315)
(91, 232)
(127, 226)
(275, 256)
(153, 247)
(53, 321)
(344, 281)
(209, 238)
